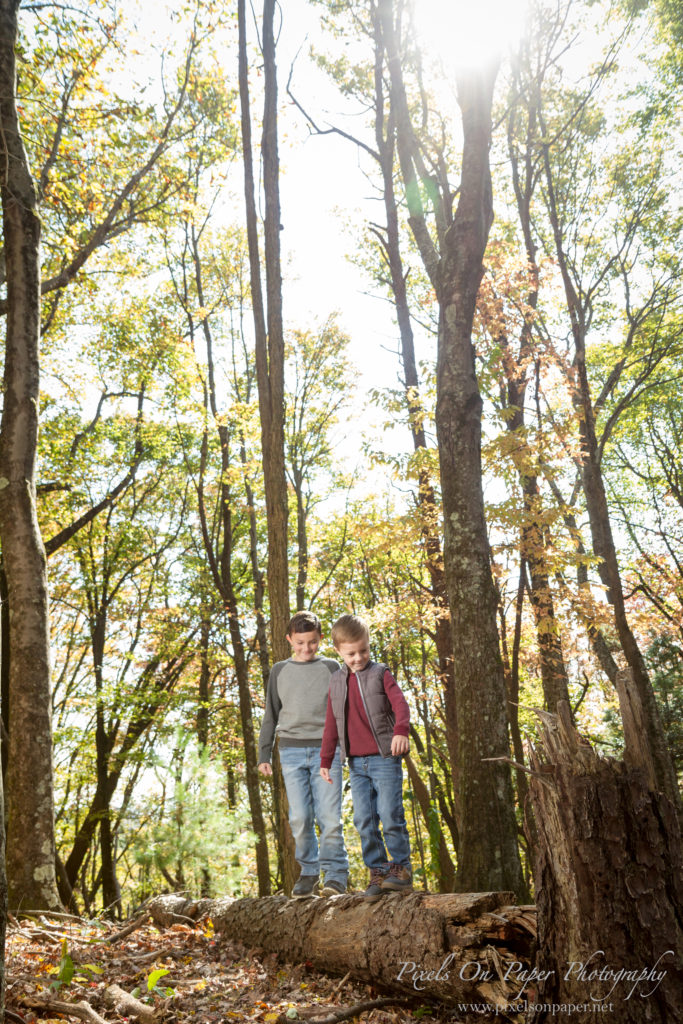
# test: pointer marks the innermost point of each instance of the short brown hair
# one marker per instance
(304, 622)
(348, 628)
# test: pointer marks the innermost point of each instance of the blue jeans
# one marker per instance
(377, 790)
(311, 798)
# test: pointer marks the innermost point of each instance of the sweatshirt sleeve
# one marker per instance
(270, 719)
(399, 705)
(328, 744)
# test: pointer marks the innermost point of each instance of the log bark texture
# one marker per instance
(452, 947)
(608, 881)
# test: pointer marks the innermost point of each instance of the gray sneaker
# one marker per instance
(333, 888)
(304, 887)
(374, 890)
(398, 879)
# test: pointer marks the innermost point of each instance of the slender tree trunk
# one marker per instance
(148, 708)
(222, 570)
(603, 545)
(269, 335)
(3, 900)
(430, 512)
(285, 847)
(223, 577)
(598, 513)
(204, 686)
(250, 755)
(269, 349)
(511, 670)
(110, 890)
(446, 867)
(30, 829)
(4, 670)
(534, 536)
(301, 542)
(274, 416)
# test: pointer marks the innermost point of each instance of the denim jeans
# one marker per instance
(312, 799)
(377, 790)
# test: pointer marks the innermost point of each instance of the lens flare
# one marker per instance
(469, 33)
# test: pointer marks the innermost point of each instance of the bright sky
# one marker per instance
(324, 190)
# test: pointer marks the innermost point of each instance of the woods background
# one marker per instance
(490, 473)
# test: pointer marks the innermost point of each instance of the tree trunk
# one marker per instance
(488, 856)
(534, 534)
(4, 670)
(270, 365)
(397, 945)
(604, 547)
(203, 719)
(30, 828)
(204, 694)
(430, 814)
(268, 329)
(598, 509)
(430, 512)
(608, 879)
(3, 901)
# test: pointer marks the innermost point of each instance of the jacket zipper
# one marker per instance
(367, 713)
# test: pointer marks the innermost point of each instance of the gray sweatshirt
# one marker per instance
(296, 703)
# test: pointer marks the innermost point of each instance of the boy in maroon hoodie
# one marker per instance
(367, 715)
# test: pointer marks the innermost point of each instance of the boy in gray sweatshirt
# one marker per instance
(296, 703)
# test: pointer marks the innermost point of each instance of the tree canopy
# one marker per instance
(486, 465)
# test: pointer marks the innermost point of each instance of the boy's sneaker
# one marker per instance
(398, 879)
(333, 888)
(374, 891)
(305, 886)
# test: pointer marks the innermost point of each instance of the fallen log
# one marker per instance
(81, 1010)
(454, 947)
(127, 1005)
(114, 996)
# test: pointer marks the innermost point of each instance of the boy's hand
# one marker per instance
(400, 745)
(265, 768)
(325, 772)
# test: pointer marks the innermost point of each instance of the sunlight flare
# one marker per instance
(466, 34)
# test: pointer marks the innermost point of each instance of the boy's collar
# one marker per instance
(352, 671)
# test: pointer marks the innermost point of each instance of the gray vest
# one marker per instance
(375, 702)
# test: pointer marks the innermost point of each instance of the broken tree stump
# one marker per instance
(454, 947)
(609, 888)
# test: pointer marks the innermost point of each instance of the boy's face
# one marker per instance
(355, 653)
(304, 645)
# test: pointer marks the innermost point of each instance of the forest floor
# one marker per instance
(182, 973)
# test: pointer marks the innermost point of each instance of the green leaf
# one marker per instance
(93, 968)
(66, 970)
(155, 976)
